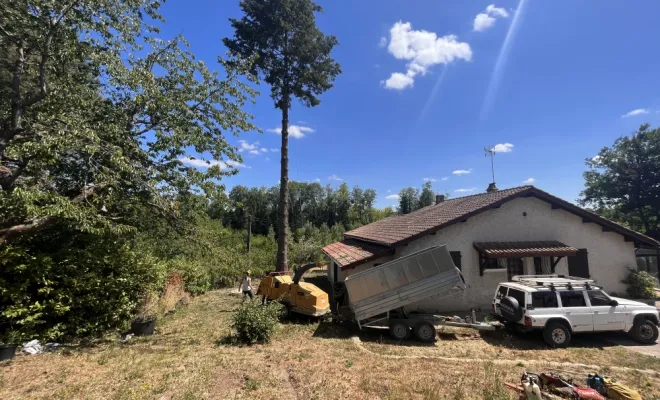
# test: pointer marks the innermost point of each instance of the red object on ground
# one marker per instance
(587, 393)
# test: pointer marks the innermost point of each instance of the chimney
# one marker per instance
(439, 198)
(491, 188)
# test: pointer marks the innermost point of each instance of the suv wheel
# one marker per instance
(645, 331)
(557, 334)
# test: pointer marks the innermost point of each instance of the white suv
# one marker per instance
(562, 305)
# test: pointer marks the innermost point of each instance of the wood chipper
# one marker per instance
(298, 297)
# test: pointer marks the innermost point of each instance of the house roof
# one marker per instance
(524, 249)
(350, 252)
(401, 229)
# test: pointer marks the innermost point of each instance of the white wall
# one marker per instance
(609, 254)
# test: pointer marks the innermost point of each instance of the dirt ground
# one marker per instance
(308, 360)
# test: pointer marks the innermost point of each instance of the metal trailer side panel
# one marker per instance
(427, 273)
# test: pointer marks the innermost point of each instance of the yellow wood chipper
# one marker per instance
(298, 297)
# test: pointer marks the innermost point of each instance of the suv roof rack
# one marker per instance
(551, 281)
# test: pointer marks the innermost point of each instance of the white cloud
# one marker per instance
(382, 42)
(465, 190)
(295, 131)
(422, 49)
(334, 177)
(429, 179)
(497, 11)
(244, 145)
(317, 180)
(486, 20)
(462, 171)
(444, 178)
(483, 22)
(389, 191)
(255, 151)
(392, 197)
(263, 150)
(529, 181)
(502, 148)
(633, 113)
(267, 158)
(398, 81)
(203, 164)
(596, 158)
(274, 150)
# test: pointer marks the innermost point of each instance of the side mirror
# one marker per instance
(614, 303)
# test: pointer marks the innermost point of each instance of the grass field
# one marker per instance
(187, 360)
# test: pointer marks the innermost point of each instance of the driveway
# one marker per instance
(624, 340)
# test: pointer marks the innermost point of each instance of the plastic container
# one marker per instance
(7, 351)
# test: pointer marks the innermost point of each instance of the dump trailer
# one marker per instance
(378, 295)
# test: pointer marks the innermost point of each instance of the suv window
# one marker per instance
(598, 298)
(544, 300)
(501, 291)
(572, 299)
(518, 295)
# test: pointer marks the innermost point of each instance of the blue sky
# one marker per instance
(426, 85)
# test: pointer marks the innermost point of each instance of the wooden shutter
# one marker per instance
(456, 257)
(578, 265)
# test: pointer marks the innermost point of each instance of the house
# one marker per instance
(493, 236)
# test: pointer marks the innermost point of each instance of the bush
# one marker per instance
(254, 322)
(65, 285)
(641, 284)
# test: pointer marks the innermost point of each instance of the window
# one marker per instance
(502, 291)
(456, 258)
(572, 299)
(514, 266)
(544, 300)
(495, 263)
(598, 298)
(518, 295)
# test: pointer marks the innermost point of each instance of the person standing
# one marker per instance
(246, 286)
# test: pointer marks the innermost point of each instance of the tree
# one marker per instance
(293, 56)
(90, 132)
(408, 200)
(623, 181)
(427, 197)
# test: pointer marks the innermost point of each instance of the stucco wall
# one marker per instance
(609, 254)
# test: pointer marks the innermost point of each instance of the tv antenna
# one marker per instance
(491, 151)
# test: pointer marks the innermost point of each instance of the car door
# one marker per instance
(574, 307)
(605, 316)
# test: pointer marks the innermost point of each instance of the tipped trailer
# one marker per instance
(377, 296)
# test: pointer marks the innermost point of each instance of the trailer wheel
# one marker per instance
(399, 330)
(425, 331)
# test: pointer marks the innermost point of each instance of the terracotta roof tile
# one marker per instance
(404, 228)
(349, 252)
(392, 230)
(524, 249)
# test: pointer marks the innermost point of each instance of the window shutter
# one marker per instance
(456, 257)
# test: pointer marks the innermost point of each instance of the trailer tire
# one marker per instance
(425, 332)
(399, 330)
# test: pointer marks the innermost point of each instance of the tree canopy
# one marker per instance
(293, 56)
(623, 181)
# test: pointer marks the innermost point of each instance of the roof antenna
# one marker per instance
(491, 151)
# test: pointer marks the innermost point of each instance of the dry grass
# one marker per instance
(185, 360)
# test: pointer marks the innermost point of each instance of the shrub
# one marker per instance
(641, 284)
(254, 322)
(66, 285)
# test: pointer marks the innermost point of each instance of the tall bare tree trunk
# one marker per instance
(283, 212)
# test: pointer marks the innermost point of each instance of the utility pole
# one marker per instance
(249, 233)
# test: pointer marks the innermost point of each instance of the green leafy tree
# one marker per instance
(408, 200)
(426, 197)
(97, 114)
(623, 181)
(293, 56)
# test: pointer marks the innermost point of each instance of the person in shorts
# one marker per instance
(246, 286)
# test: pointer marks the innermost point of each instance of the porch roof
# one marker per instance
(524, 249)
(349, 253)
